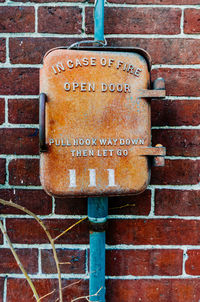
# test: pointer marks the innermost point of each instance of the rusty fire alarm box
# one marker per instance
(95, 122)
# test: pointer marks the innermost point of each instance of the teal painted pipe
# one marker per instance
(97, 206)
(99, 20)
(97, 215)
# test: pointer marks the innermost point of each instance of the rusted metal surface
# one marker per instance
(98, 128)
(159, 161)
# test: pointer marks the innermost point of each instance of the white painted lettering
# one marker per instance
(75, 85)
(137, 72)
(67, 86)
(103, 61)
(60, 67)
(85, 62)
(72, 178)
(93, 61)
(91, 87)
(78, 63)
(70, 64)
(103, 141)
(111, 178)
(92, 175)
(104, 87)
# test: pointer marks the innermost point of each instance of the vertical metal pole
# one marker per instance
(97, 215)
(99, 20)
(97, 206)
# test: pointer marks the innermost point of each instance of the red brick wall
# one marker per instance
(153, 245)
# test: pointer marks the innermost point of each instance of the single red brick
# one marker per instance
(131, 205)
(23, 111)
(177, 202)
(1, 289)
(2, 111)
(17, 19)
(72, 261)
(163, 51)
(2, 50)
(62, 20)
(37, 201)
(192, 265)
(28, 231)
(153, 231)
(144, 262)
(178, 142)
(19, 141)
(71, 206)
(18, 290)
(19, 81)
(31, 50)
(24, 172)
(180, 82)
(192, 21)
(123, 20)
(176, 172)
(28, 258)
(164, 290)
(175, 113)
(2, 170)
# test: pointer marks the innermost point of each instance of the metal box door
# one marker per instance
(97, 123)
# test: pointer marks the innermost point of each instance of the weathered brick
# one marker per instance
(23, 111)
(24, 172)
(31, 50)
(123, 20)
(72, 261)
(17, 19)
(2, 50)
(160, 2)
(176, 172)
(131, 205)
(163, 51)
(28, 258)
(19, 81)
(144, 262)
(180, 82)
(164, 290)
(178, 142)
(18, 289)
(71, 206)
(48, 1)
(123, 205)
(2, 111)
(153, 231)
(62, 20)
(30, 232)
(36, 201)
(19, 141)
(2, 170)
(192, 21)
(175, 113)
(1, 289)
(177, 202)
(192, 265)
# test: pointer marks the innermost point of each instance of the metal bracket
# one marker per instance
(42, 134)
(159, 85)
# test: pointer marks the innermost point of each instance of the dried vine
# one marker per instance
(51, 240)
